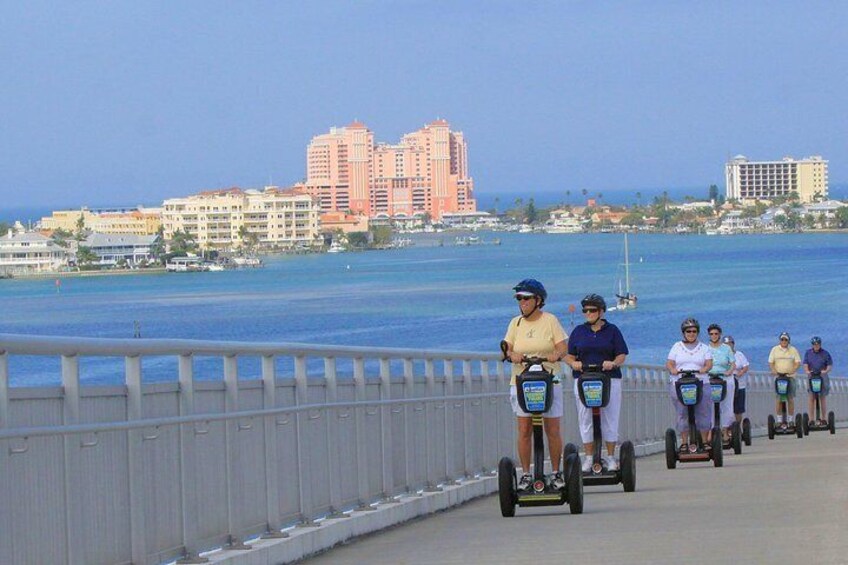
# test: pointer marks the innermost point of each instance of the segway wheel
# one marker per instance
(771, 426)
(627, 459)
(831, 422)
(507, 487)
(566, 461)
(568, 450)
(736, 438)
(746, 431)
(799, 426)
(670, 449)
(718, 452)
(575, 485)
(806, 422)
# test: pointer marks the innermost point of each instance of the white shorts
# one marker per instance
(556, 405)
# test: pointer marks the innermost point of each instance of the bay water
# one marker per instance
(454, 297)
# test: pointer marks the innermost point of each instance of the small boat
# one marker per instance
(336, 247)
(625, 299)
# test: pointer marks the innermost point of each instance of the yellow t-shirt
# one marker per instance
(784, 359)
(534, 339)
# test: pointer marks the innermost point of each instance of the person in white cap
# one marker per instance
(784, 359)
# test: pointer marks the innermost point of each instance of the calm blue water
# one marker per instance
(456, 297)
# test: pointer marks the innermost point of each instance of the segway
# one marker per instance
(796, 428)
(689, 389)
(746, 423)
(718, 392)
(593, 387)
(818, 424)
(535, 396)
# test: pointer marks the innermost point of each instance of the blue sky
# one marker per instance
(132, 102)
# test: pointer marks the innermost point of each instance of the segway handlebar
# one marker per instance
(525, 359)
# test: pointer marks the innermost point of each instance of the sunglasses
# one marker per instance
(589, 310)
(690, 331)
(783, 339)
(523, 298)
(715, 333)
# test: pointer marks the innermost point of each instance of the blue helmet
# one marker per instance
(815, 340)
(532, 286)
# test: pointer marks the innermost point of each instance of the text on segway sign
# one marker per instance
(782, 386)
(593, 393)
(716, 392)
(689, 394)
(535, 395)
(816, 384)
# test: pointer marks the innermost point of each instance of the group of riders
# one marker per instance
(599, 343)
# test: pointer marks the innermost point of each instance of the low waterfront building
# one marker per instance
(114, 249)
(26, 253)
(346, 223)
(129, 221)
(469, 220)
(758, 180)
(229, 218)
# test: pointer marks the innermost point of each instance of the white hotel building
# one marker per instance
(764, 180)
(282, 218)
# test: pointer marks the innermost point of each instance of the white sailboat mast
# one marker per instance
(626, 265)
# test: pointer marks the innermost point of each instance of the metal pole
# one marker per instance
(72, 477)
(135, 462)
(188, 486)
(233, 469)
(272, 493)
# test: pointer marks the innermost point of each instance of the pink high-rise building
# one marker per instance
(426, 172)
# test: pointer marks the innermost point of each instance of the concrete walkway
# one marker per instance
(781, 501)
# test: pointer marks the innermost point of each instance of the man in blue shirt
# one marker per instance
(818, 360)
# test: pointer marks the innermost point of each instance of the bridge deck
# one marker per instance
(781, 501)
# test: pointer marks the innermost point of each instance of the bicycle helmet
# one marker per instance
(784, 335)
(728, 339)
(690, 323)
(815, 340)
(714, 327)
(594, 300)
(531, 286)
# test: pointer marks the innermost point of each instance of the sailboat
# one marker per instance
(625, 299)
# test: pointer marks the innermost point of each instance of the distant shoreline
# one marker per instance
(79, 274)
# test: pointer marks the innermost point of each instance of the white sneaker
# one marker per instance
(611, 462)
(587, 464)
(524, 482)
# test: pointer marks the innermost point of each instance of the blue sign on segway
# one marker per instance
(535, 394)
(815, 384)
(593, 394)
(715, 392)
(689, 394)
(782, 386)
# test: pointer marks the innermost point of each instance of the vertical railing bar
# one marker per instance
(272, 492)
(430, 428)
(359, 418)
(485, 441)
(386, 431)
(231, 404)
(408, 392)
(188, 482)
(4, 389)
(467, 440)
(304, 477)
(449, 435)
(73, 504)
(332, 431)
(135, 459)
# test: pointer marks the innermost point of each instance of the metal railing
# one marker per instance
(146, 473)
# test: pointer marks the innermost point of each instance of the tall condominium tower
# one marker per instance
(752, 180)
(426, 172)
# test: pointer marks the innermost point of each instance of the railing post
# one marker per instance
(234, 472)
(272, 493)
(408, 392)
(449, 417)
(487, 454)
(4, 389)
(386, 431)
(359, 418)
(188, 489)
(72, 475)
(135, 459)
(304, 477)
(468, 440)
(334, 471)
(430, 428)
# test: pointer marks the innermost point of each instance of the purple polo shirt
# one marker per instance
(817, 362)
(593, 348)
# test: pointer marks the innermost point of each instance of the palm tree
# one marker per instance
(639, 199)
(584, 192)
(497, 202)
(568, 197)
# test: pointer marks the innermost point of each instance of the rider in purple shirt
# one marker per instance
(818, 360)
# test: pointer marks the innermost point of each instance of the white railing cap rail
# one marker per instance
(108, 347)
